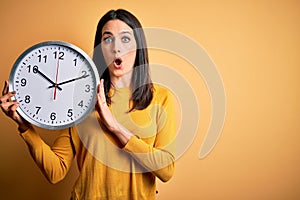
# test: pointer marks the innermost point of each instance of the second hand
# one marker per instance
(56, 77)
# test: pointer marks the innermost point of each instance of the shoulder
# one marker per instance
(161, 93)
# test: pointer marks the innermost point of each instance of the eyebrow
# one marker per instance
(122, 32)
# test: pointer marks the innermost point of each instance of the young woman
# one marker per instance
(134, 119)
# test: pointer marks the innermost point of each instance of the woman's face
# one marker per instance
(118, 45)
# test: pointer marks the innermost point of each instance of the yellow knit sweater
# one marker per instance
(108, 170)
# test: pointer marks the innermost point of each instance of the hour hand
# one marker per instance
(36, 70)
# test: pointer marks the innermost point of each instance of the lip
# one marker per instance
(118, 62)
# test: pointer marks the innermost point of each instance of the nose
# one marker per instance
(117, 46)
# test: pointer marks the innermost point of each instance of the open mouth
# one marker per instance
(118, 61)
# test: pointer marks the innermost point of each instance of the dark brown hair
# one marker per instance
(141, 84)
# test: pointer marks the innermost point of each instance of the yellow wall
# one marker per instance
(255, 46)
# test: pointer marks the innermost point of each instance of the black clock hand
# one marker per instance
(68, 81)
(48, 79)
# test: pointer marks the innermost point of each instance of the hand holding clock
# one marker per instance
(9, 107)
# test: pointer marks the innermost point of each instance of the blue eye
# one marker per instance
(125, 39)
(107, 40)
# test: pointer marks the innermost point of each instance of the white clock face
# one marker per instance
(55, 84)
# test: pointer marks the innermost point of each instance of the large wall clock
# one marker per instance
(55, 84)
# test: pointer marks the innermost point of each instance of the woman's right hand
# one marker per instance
(9, 107)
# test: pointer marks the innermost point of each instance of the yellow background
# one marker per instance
(255, 46)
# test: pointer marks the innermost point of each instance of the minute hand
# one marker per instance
(71, 80)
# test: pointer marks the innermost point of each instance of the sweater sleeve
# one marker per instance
(159, 158)
(54, 161)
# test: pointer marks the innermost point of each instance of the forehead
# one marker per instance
(115, 26)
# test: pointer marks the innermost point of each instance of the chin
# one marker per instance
(119, 72)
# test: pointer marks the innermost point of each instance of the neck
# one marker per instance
(122, 81)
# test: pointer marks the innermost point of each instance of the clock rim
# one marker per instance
(68, 45)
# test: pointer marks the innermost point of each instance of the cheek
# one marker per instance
(108, 57)
(130, 57)
(130, 53)
(130, 47)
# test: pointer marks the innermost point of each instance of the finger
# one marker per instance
(6, 106)
(14, 106)
(101, 93)
(102, 88)
(98, 93)
(7, 97)
(14, 114)
(5, 88)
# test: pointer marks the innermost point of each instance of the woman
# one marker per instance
(134, 118)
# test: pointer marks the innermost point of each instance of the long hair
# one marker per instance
(141, 84)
